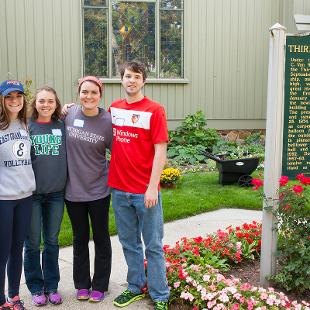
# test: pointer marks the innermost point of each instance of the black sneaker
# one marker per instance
(160, 305)
(127, 298)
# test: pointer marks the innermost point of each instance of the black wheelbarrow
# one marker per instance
(234, 170)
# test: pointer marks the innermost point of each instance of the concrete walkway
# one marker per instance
(189, 227)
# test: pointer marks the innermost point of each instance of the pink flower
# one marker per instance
(212, 288)
(283, 180)
(219, 277)
(206, 277)
(188, 279)
(187, 296)
(269, 301)
(298, 189)
(176, 284)
(245, 286)
(210, 304)
(223, 298)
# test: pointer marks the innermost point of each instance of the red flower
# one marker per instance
(287, 207)
(283, 180)
(305, 181)
(299, 176)
(257, 184)
(198, 239)
(166, 247)
(196, 251)
(182, 274)
(298, 189)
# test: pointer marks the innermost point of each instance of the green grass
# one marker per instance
(194, 194)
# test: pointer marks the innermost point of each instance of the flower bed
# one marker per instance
(194, 265)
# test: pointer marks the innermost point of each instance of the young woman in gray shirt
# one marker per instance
(89, 135)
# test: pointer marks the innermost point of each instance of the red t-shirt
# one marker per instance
(136, 128)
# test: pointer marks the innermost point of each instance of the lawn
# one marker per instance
(195, 193)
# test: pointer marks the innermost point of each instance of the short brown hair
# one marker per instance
(135, 66)
(33, 111)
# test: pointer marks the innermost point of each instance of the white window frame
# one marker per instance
(109, 78)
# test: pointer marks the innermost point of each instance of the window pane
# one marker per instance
(95, 42)
(171, 56)
(133, 34)
(95, 2)
(171, 4)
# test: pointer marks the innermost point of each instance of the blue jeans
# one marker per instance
(133, 219)
(47, 214)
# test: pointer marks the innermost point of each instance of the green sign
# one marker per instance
(296, 133)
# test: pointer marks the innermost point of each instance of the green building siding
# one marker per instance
(41, 41)
(226, 55)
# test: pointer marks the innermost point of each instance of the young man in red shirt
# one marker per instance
(140, 139)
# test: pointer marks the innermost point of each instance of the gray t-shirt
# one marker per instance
(16, 174)
(48, 155)
(87, 139)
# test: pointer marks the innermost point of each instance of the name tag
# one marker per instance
(23, 133)
(78, 123)
(56, 132)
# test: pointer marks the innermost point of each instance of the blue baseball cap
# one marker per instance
(9, 86)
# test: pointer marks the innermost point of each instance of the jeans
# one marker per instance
(15, 218)
(133, 219)
(79, 213)
(47, 214)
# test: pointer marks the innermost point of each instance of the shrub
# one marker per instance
(187, 140)
(186, 154)
(293, 228)
(193, 131)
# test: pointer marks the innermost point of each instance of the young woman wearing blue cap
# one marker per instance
(48, 154)
(17, 183)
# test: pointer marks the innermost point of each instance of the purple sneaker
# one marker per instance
(54, 298)
(96, 296)
(39, 299)
(82, 294)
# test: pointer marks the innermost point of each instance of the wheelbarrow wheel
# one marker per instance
(245, 180)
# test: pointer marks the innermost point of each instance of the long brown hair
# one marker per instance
(5, 119)
(33, 111)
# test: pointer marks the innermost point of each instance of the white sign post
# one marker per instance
(273, 150)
